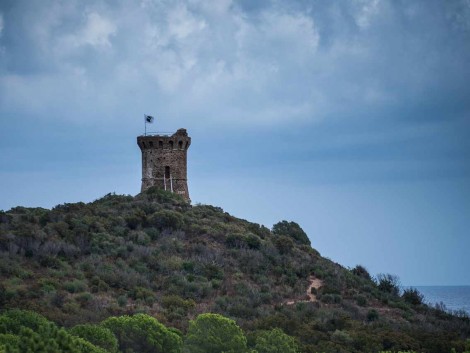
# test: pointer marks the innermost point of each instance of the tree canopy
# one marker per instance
(98, 335)
(292, 230)
(213, 333)
(142, 333)
(275, 341)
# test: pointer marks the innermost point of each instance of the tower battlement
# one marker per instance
(164, 161)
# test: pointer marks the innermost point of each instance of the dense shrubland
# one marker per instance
(80, 264)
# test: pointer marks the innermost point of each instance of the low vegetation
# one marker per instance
(108, 271)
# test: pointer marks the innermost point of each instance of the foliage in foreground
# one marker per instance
(212, 333)
(24, 332)
(27, 332)
(143, 334)
(98, 335)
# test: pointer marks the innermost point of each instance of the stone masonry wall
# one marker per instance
(164, 162)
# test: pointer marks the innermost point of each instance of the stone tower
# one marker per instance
(164, 162)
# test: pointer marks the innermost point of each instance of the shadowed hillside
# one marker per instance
(155, 254)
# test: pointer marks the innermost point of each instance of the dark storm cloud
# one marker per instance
(259, 63)
(363, 79)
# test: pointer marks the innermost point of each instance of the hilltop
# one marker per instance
(155, 254)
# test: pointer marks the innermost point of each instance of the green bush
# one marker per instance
(97, 335)
(173, 302)
(388, 283)
(235, 240)
(144, 294)
(213, 333)
(361, 300)
(372, 315)
(253, 241)
(13, 320)
(7, 339)
(213, 271)
(275, 341)
(84, 299)
(292, 230)
(283, 244)
(75, 286)
(167, 219)
(331, 298)
(413, 296)
(122, 300)
(361, 271)
(341, 337)
(142, 333)
(25, 331)
(165, 197)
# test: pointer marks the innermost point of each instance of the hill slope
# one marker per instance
(153, 253)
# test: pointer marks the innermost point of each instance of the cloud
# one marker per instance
(276, 63)
(2, 49)
(367, 10)
(96, 31)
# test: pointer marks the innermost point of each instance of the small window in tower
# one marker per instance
(180, 144)
(160, 144)
(171, 145)
(167, 172)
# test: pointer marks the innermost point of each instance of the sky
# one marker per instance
(351, 118)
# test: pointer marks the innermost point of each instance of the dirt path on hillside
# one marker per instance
(314, 283)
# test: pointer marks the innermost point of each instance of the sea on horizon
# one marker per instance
(453, 297)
